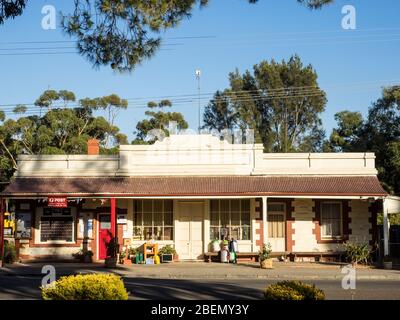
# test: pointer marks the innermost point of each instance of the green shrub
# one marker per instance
(10, 253)
(357, 253)
(86, 287)
(132, 251)
(293, 290)
(265, 252)
(168, 249)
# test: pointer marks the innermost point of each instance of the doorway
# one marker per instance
(277, 226)
(189, 230)
(104, 234)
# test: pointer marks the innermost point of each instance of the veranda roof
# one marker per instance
(196, 186)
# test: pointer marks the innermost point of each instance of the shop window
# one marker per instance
(331, 220)
(153, 220)
(56, 225)
(24, 224)
(230, 219)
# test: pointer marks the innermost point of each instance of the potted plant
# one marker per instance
(10, 253)
(88, 256)
(387, 262)
(167, 253)
(121, 257)
(264, 257)
(85, 256)
(112, 249)
(136, 255)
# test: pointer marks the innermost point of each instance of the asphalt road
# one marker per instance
(27, 287)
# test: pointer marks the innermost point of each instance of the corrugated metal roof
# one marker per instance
(197, 186)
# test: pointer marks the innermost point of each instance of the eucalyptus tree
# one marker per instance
(280, 101)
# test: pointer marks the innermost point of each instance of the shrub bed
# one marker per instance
(10, 253)
(86, 287)
(293, 290)
(357, 253)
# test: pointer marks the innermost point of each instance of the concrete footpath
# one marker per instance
(201, 270)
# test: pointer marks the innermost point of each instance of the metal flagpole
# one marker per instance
(198, 75)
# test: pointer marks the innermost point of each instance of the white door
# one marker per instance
(277, 226)
(189, 230)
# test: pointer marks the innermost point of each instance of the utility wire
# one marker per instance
(233, 95)
(178, 97)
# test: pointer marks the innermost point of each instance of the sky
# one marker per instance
(352, 65)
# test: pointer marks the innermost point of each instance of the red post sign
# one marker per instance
(57, 202)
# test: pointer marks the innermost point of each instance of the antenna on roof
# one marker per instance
(198, 75)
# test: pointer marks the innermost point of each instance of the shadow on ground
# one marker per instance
(27, 287)
(166, 289)
(20, 287)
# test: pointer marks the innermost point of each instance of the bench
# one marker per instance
(250, 255)
(316, 255)
(208, 256)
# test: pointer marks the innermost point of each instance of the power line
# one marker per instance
(238, 100)
(276, 92)
(33, 48)
(344, 38)
(74, 41)
(34, 53)
(252, 98)
(256, 35)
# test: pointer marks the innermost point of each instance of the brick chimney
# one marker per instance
(93, 147)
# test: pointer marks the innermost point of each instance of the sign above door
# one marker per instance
(57, 202)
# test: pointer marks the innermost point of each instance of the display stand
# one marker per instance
(150, 250)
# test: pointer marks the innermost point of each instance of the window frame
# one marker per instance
(153, 226)
(332, 237)
(229, 225)
(72, 215)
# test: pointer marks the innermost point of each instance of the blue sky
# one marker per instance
(352, 65)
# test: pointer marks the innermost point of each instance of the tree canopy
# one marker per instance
(379, 133)
(281, 102)
(11, 9)
(158, 123)
(120, 33)
(61, 130)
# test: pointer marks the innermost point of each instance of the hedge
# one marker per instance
(293, 290)
(86, 287)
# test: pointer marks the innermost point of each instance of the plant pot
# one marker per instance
(168, 257)
(111, 262)
(87, 259)
(127, 262)
(137, 258)
(388, 265)
(176, 257)
(266, 264)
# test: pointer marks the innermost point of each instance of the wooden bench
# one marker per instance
(210, 256)
(315, 254)
(241, 255)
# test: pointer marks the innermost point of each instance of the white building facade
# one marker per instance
(189, 190)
